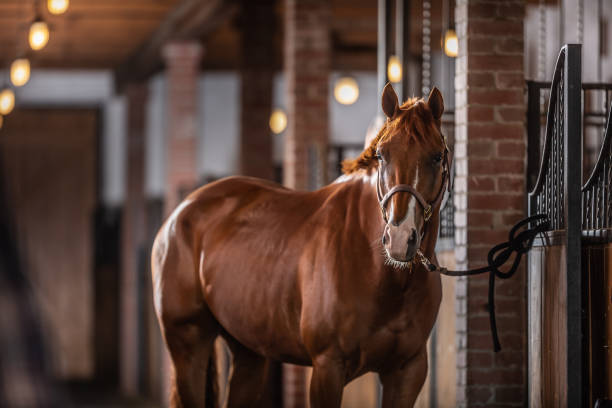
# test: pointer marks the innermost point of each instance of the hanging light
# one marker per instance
(394, 69)
(346, 91)
(57, 6)
(7, 101)
(20, 71)
(278, 121)
(451, 44)
(39, 35)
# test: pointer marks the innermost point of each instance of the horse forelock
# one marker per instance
(413, 115)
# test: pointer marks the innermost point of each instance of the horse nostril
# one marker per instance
(413, 237)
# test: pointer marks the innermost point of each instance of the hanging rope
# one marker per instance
(519, 243)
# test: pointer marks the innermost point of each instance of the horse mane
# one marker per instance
(367, 158)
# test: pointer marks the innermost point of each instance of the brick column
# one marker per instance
(258, 28)
(490, 196)
(133, 238)
(307, 66)
(182, 71)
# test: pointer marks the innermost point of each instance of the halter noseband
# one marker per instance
(406, 188)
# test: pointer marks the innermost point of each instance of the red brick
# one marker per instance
(481, 79)
(495, 27)
(511, 184)
(479, 323)
(495, 202)
(479, 341)
(480, 114)
(495, 376)
(510, 80)
(479, 148)
(507, 114)
(498, 166)
(491, 131)
(494, 97)
(487, 236)
(481, 183)
(479, 395)
(508, 358)
(511, 10)
(480, 45)
(495, 62)
(511, 219)
(509, 45)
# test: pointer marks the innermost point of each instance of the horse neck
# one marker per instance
(370, 217)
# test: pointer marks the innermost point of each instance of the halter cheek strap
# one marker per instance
(406, 188)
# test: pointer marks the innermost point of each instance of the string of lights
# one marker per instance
(20, 69)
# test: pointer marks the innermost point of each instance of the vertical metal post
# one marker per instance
(572, 100)
(402, 44)
(384, 42)
(533, 133)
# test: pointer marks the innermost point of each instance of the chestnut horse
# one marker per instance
(312, 278)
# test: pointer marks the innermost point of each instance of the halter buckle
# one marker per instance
(427, 213)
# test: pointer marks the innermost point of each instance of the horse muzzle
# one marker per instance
(402, 242)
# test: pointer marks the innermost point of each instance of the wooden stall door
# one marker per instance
(48, 161)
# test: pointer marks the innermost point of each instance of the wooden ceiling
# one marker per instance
(103, 34)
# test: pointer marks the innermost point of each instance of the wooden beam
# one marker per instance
(190, 19)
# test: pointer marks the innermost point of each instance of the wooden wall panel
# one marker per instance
(597, 260)
(547, 365)
(49, 165)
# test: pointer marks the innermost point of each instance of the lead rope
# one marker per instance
(498, 256)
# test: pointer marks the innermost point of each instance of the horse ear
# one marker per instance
(436, 103)
(390, 103)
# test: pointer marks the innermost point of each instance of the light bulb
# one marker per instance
(451, 43)
(57, 6)
(394, 69)
(7, 101)
(346, 91)
(278, 121)
(39, 35)
(20, 71)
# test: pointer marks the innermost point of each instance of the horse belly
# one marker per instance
(256, 302)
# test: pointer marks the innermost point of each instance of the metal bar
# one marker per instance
(405, 56)
(384, 27)
(573, 213)
(533, 133)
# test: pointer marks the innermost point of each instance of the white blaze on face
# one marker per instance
(403, 240)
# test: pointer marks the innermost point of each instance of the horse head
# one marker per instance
(410, 157)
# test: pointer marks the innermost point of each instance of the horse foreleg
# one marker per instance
(402, 386)
(327, 383)
(248, 379)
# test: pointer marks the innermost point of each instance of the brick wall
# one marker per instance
(307, 64)
(182, 70)
(258, 23)
(490, 196)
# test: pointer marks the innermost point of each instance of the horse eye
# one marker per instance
(378, 156)
(438, 158)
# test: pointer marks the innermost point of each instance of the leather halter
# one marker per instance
(407, 188)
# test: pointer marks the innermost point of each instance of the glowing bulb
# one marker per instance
(20, 71)
(278, 121)
(57, 6)
(39, 35)
(7, 101)
(451, 43)
(394, 69)
(346, 91)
